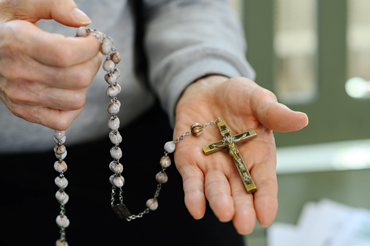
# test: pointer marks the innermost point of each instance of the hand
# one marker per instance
(43, 76)
(243, 105)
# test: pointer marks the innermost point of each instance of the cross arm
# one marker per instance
(212, 148)
(241, 137)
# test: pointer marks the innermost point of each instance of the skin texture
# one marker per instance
(43, 76)
(243, 105)
(44, 79)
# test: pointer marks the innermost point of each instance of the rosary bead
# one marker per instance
(116, 167)
(61, 243)
(152, 204)
(117, 72)
(59, 134)
(109, 65)
(60, 141)
(114, 123)
(196, 129)
(117, 101)
(113, 91)
(165, 161)
(62, 221)
(62, 156)
(161, 177)
(60, 166)
(115, 137)
(110, 78)
(106, 46)
(82, 32)
(62, 183)
(59, 149)
(116, 153)
(170, 147)
(113, 109)
(115, 57)
(62, 197)
(117, 180)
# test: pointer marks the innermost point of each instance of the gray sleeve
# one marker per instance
(187, 39)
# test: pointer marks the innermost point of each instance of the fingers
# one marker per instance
(62, 11)
(245, 215)
(218, 193)
(52, 118)
(194, 193)
(274, 115)
(20, 38)
(59, 51)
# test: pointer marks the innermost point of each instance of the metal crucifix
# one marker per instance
(230, 141)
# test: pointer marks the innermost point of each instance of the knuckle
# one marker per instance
(77, 100)
(83, 80)
(63, 57)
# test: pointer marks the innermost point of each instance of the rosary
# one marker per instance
(113, 57)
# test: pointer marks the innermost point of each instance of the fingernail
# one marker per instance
(306, 118)
(81, 17)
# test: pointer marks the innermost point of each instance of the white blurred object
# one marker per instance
(326, 223)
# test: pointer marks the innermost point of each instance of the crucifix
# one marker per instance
(229, 141)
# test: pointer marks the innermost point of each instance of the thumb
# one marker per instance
(65, 12)
(278, 117)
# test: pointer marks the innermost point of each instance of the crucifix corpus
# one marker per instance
(229, 141)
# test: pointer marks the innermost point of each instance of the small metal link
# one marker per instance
(138, 216)
(112, 195)
(210, 123)
(62, 210)
(157, 191)
(181, 137)
(62, 234)
(120, 195)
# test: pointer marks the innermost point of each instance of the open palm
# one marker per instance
(244, 106)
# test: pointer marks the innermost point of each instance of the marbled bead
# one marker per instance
(118, 102)
(116, 153)
(161, 177)
(106, 47)
(117, 73)
(170, 147)
(113, 108)
(165, 161)
(116, 167)
(110, 78)
(59, 149)
(113, 91)
(62, 156)
(59, 134)
(60, 141)
(62, 197)
(82, 32)
(152, 204)
(60, 166)
(117, 180)
(115, 137)
(62, 221)
(114, 123)
(109, 65)
(61, 243)
(196, 129)
(115, 57)
(62, 183)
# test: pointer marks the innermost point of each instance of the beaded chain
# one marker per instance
(116, 179)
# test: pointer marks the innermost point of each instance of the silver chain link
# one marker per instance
(210, 123)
